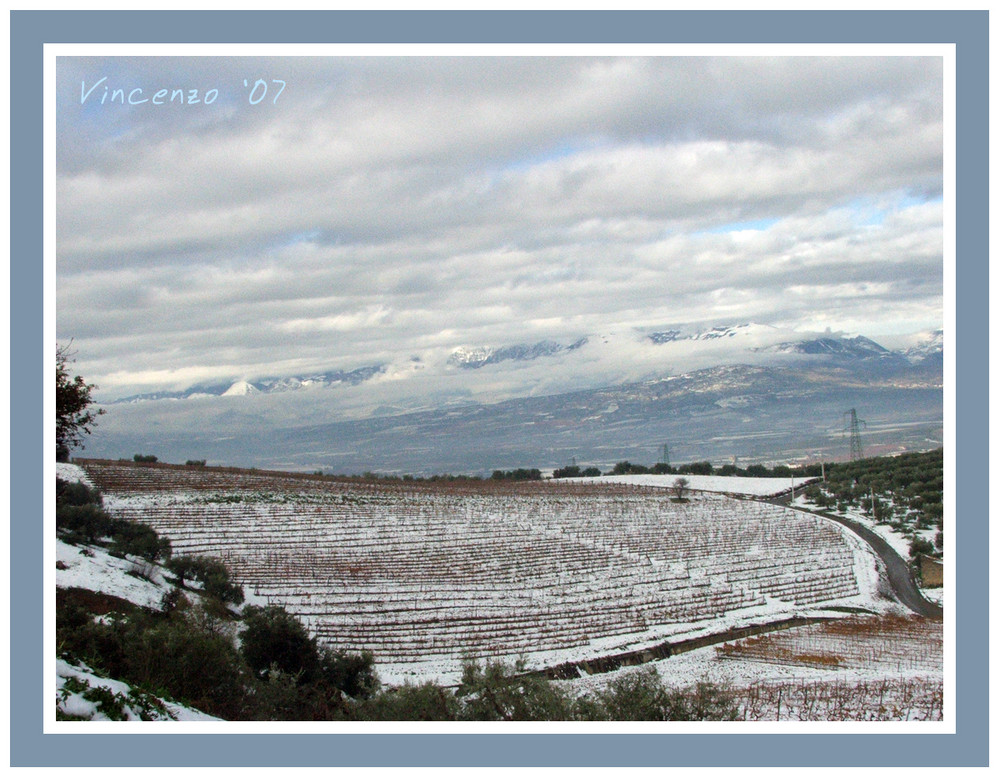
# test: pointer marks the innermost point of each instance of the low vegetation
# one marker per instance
(80, 517)
(260, 663)
(904, 492)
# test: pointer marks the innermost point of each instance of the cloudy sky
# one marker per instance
(384, 209)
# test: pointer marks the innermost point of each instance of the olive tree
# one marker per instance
(74, 415)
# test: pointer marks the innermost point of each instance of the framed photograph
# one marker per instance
(499, 388)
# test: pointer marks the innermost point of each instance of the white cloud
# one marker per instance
(388, 206)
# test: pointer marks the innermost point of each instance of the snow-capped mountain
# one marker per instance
(714, 333)
(271, 385)
(856, 348)
(504, 371)
(745, 390)
(929, 345)
(241, 389)
(487, 355)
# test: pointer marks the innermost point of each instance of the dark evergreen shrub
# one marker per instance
(213, 575)
(426, 702)
(129, 537)
(496, 692)
(86, 522)
(272, 639)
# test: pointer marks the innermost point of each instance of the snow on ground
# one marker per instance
(72, 474)
(899, 542)
(815, 672)
(703, 664)
(934, 595)
(81, 693)
(727, 484)
(94, 569)
(448, 671)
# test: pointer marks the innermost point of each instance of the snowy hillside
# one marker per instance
(752, 487)
(81, 693)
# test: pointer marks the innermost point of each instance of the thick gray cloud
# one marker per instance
(386, 207)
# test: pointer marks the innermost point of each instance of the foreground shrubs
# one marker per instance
(499, 692)
(282, 654)
(186, 656)
(424, 702)
(211, 573)
(276, 672)
(80, 517)
(191, 654)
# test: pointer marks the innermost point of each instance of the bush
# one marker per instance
(148, 458)
(196, 665)
(274, 642)
(129, 537)
(638, 696)
(353, 674)
(520, 474)
(627, 468)
(920, 546)
(696, 468)
(213, 575)
(426, 702)
(705, 702)
(76, 493)
(497, 692)
(87, 522)
(642, 696)
(273, 639)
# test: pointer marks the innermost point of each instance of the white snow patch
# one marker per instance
(94, 569)
(75, 702)
(72, 474)
(725, 484)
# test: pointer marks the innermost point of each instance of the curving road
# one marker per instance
(900, 577)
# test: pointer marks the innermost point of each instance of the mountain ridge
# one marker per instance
(743, 338)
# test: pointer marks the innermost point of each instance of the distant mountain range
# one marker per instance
(826, 349)
(748, 392)
(242, 387)
(487, 355)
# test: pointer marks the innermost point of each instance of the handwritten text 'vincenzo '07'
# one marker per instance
(101, 92)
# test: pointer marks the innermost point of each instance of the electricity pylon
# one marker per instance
(856, 450)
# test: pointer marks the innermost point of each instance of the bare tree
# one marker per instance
(680, 485)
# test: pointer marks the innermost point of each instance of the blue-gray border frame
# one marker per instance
(29, 30)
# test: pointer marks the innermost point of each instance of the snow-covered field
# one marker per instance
(549, 572)
(394, 571)
(724, 484)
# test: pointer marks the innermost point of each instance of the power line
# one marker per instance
(857, 452)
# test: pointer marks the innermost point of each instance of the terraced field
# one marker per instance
(422, 572)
